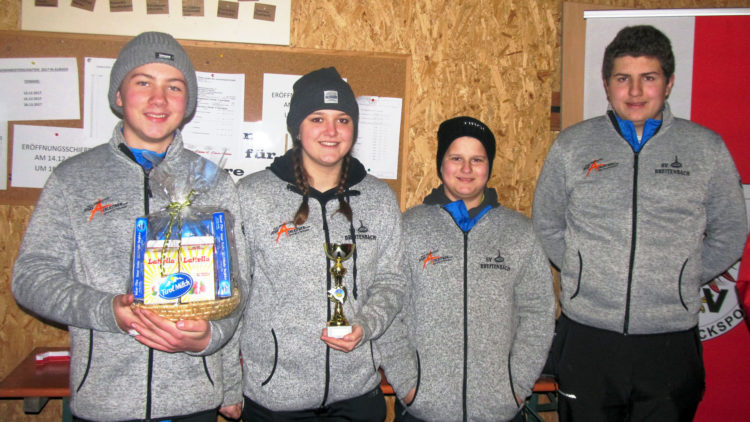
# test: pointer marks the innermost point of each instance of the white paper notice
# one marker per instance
(277, 93)
(271, 26)
(257, 151)
(216, 126)
(3, 154)
(378, 135)
(37, 150)
(98, 117)
(39, 89)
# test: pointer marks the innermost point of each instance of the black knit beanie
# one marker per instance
(454, 128)
(322, 89)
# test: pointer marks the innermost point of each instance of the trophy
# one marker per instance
(338, 326)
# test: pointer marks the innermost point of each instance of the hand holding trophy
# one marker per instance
(338, 325)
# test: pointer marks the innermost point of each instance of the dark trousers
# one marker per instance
(368, 407)
(207, 416)
(403, 416)
(606, 376)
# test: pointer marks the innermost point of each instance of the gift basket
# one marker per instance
(183, 255)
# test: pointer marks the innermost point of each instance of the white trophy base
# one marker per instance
(340, 331)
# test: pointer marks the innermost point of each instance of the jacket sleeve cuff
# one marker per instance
(232, 397)
(213, 345)
(522, 392)
(108, 314)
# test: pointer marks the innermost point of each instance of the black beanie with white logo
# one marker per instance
(457, 127)
(322, 89)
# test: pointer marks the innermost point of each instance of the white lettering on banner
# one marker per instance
(720, 310)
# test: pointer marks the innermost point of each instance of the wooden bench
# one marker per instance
(545, 386)
(36, 384)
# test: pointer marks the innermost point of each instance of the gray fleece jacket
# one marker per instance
(635, 235)
(76, 257)
(286, 365)
(480, 314)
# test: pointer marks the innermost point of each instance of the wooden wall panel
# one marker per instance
(19, 331)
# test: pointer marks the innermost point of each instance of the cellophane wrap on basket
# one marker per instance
(183, 255)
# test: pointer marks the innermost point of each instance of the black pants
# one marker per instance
(207, 416)
(606, 376)
(369, 407)
(403, 416)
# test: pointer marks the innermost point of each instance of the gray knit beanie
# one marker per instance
(153, 47)
(457, 127)
(322, 89)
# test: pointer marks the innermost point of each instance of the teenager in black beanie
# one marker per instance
(454, 128)
(321, 89)
(296, 367)
(480, 310)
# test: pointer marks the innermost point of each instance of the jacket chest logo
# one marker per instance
(596, 165)
(433, 258)
(496, 262)
(103, 207)
(361, 233)
(286, 231)
(674, 168)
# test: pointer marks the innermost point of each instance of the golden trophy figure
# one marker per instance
(338, 326)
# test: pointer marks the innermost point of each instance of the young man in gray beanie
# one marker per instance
(638, 209)
(74, 264)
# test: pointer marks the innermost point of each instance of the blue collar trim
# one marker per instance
(460, 214)
(142, 154)
(627, 129)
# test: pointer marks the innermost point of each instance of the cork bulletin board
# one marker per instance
(376, 74)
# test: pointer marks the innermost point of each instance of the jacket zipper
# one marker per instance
(146, 191)
(466, 321)
(633, 230)
(328, 287)
(146, 195)
(149, 376)
(634, 219)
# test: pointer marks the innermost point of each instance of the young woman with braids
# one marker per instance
(313, 195)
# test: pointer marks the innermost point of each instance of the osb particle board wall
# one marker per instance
(496, 60)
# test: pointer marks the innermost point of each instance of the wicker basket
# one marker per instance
(207, 309)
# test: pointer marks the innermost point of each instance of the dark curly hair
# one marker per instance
(638, 41)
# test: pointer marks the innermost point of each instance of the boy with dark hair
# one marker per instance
(637, 41)
(638, 209)
(74, 262)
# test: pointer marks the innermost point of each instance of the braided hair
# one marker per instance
(300, 176)
(303, 184)
(344, 207)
